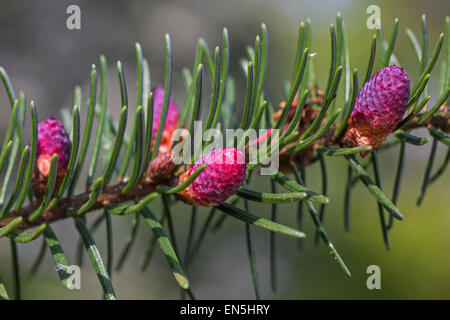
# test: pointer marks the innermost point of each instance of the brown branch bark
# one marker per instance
(113, 194)
(440, 120)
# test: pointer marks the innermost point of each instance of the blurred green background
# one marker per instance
(46, 60)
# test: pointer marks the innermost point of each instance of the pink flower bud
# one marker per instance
(172, 119)
(224, 174)
(379, 108)
(52, 139)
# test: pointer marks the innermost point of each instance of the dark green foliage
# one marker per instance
(136, 148)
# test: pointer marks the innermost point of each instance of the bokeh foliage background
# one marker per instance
(47, 60)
